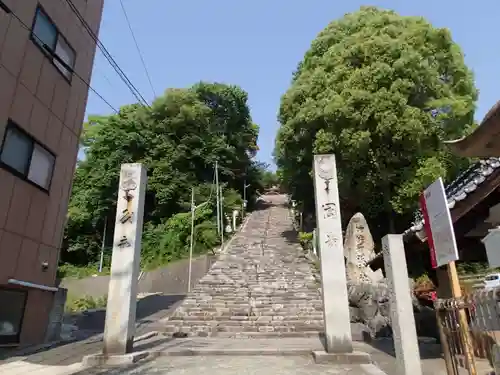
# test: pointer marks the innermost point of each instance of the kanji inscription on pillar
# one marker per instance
(329, 210)
(331, 240)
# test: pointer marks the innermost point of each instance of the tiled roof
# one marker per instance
(456, 191)
(459, 189)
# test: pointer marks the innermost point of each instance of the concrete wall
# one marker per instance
(56, 316)
(171, 279)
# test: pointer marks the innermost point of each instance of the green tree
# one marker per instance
(380, 91)
(178, 139)
(268, 177)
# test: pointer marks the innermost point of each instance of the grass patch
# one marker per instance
(475, 268)
(79, 304)
(70, 271)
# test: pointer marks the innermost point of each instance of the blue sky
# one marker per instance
(257, 44)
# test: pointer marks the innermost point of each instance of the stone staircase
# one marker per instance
(261, 286)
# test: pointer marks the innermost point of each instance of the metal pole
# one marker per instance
(217, 190)
(193, 208)
(222, 220)
(244, 194)
(101, 261)
(244, 197)
(245, 186)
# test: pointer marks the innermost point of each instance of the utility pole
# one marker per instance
(217, 191)
(193, 209)
(103, 244)
(222, 220)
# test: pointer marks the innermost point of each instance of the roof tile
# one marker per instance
(459, 189)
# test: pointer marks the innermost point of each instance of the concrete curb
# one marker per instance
(353, 358)
(236, 234)
(372, 370)
(232, 352)
(27, 351)
(146, 336)
(244, 224)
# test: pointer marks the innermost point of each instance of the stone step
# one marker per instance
(264, 289)
(214, 328)
(253, 318)
(250, 335)
(268, 299)
(261, 286)
(278, 303)
(250, 311)
(259, 304)
(242, 289)
(224, 321)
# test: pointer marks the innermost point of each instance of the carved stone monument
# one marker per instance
(122, 296)
(358, 250)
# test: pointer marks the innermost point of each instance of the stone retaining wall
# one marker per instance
(171, 279)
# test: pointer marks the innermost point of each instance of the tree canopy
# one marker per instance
(268, 178)
(381, 92)
(179, 139)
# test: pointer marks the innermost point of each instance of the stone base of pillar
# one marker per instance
(113, 360)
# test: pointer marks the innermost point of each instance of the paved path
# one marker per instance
(241, 365)
(201, 351)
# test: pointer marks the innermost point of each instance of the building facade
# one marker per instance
(46, 58)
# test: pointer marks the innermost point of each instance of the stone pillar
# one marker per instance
(333, 274)
(315, 243)
(402, 318)
(235, 217)
(122, 295)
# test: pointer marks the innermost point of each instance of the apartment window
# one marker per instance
(46, 35)
(11, 315)
(26, 158)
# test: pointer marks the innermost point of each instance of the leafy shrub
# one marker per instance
(170, 240)
(75, 305)
(424, 282)
(472, 268)
(305, 239)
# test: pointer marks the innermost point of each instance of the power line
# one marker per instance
(59, 60)
(108, 56)
(138, 49)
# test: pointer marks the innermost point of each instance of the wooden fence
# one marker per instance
(470, 331)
